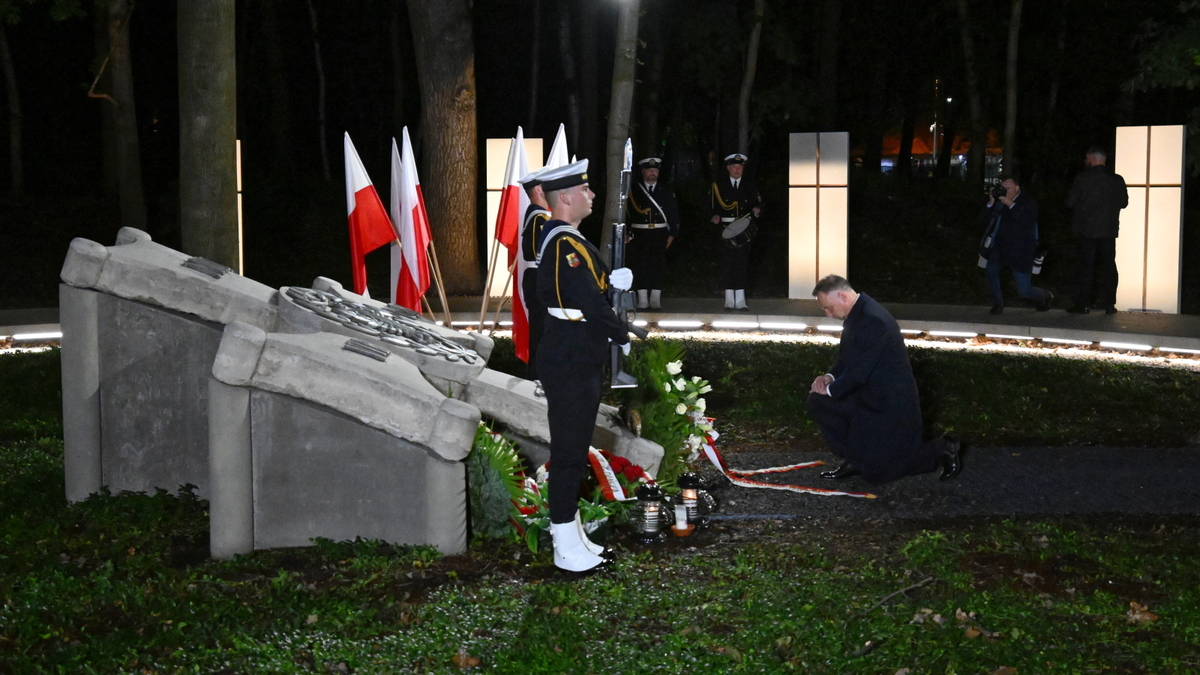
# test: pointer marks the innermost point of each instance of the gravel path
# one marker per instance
(994, 482)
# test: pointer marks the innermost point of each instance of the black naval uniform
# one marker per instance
(536, 218)
(730, 203)
(571, 282)
(651, 226)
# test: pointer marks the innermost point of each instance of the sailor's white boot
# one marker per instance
(740, 299)
(655, 299)
(729, 298)
(570, 553)
(643, 303)
(588, 543)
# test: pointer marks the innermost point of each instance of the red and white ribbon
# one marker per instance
(738, 476)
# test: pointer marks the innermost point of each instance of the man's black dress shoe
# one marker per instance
(1079, 309)
(1111, 309)
(952, 462)
(1045, 306)
(996, 309)
(841, 473)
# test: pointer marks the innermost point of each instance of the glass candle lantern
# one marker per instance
(647, 519)
(695, 498)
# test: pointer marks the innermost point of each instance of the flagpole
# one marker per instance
(487, 285)
(504, 296)
(437, 273)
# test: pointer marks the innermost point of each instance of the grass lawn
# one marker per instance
(123, 584)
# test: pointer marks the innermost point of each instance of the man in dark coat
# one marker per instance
(654, 225)
(1096, 199)
(572, 281)
(1016, 239)
(733, 197)
(867, 405)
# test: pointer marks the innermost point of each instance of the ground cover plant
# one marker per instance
(123, 584)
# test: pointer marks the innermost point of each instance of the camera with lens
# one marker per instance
(998, 191)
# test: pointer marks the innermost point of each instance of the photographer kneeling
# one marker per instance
(1012, 218)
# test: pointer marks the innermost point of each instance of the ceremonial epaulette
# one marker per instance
(634, 204)
(717, 193)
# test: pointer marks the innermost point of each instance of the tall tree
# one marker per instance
(446, 69)
(977, 154)
(827, 108)
(1010, 71)
(16, 168)
(760, 8)
(624, 71)
(129, 162)
(208, 131)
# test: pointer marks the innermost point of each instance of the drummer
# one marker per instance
(734, 197)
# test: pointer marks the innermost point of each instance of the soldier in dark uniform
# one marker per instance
(536, 217)
(732, 198)
(654, 224)
(580, 324)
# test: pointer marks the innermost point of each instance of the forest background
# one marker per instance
(1038, 82)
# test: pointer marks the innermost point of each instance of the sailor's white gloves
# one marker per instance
(625, 348)
(621, 278)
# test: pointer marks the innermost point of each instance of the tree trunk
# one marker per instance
(977, 155)
(570, 83)
(1010, 108)
(446, 68)
(16, 167)
(648, 139)
(110, 168)
(831, 16)
(903, 167)
(129, 162)
(323, 143)
(534, 52)
(589, 80)
(1047, 147)
(624, 71)
(208, 131)
(399, 26)
(760, 7)
(278, 104)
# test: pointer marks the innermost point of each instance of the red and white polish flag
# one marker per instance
(370, 227)
(412, 224)
(514, 202)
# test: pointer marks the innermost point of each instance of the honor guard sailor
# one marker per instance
(736, 205)
(536, 217)
(572, 281)
(654, 223)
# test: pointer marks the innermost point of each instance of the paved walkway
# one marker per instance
(1163, 331)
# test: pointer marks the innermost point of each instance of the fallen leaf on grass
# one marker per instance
(1139, 614)
(1003, 670)
(903, 671)
(312, 618)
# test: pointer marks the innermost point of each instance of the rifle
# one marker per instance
(622, 301)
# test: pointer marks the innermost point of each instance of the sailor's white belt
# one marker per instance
(727, 220)
(565, 314)
(648, 226)
(531, 265)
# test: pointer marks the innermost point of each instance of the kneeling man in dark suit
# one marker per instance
(867, 405)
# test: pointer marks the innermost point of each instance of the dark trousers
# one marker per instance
(1096, 272)
(572, 374)
(1025, 287)
(647, 255)
(734, 263)
(878, 460)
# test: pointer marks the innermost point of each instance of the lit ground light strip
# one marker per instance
(26, 337)
(830, 328)
(783, 326)
(951, 333)
(735, 324)
(680, 324)
(1065, 341)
